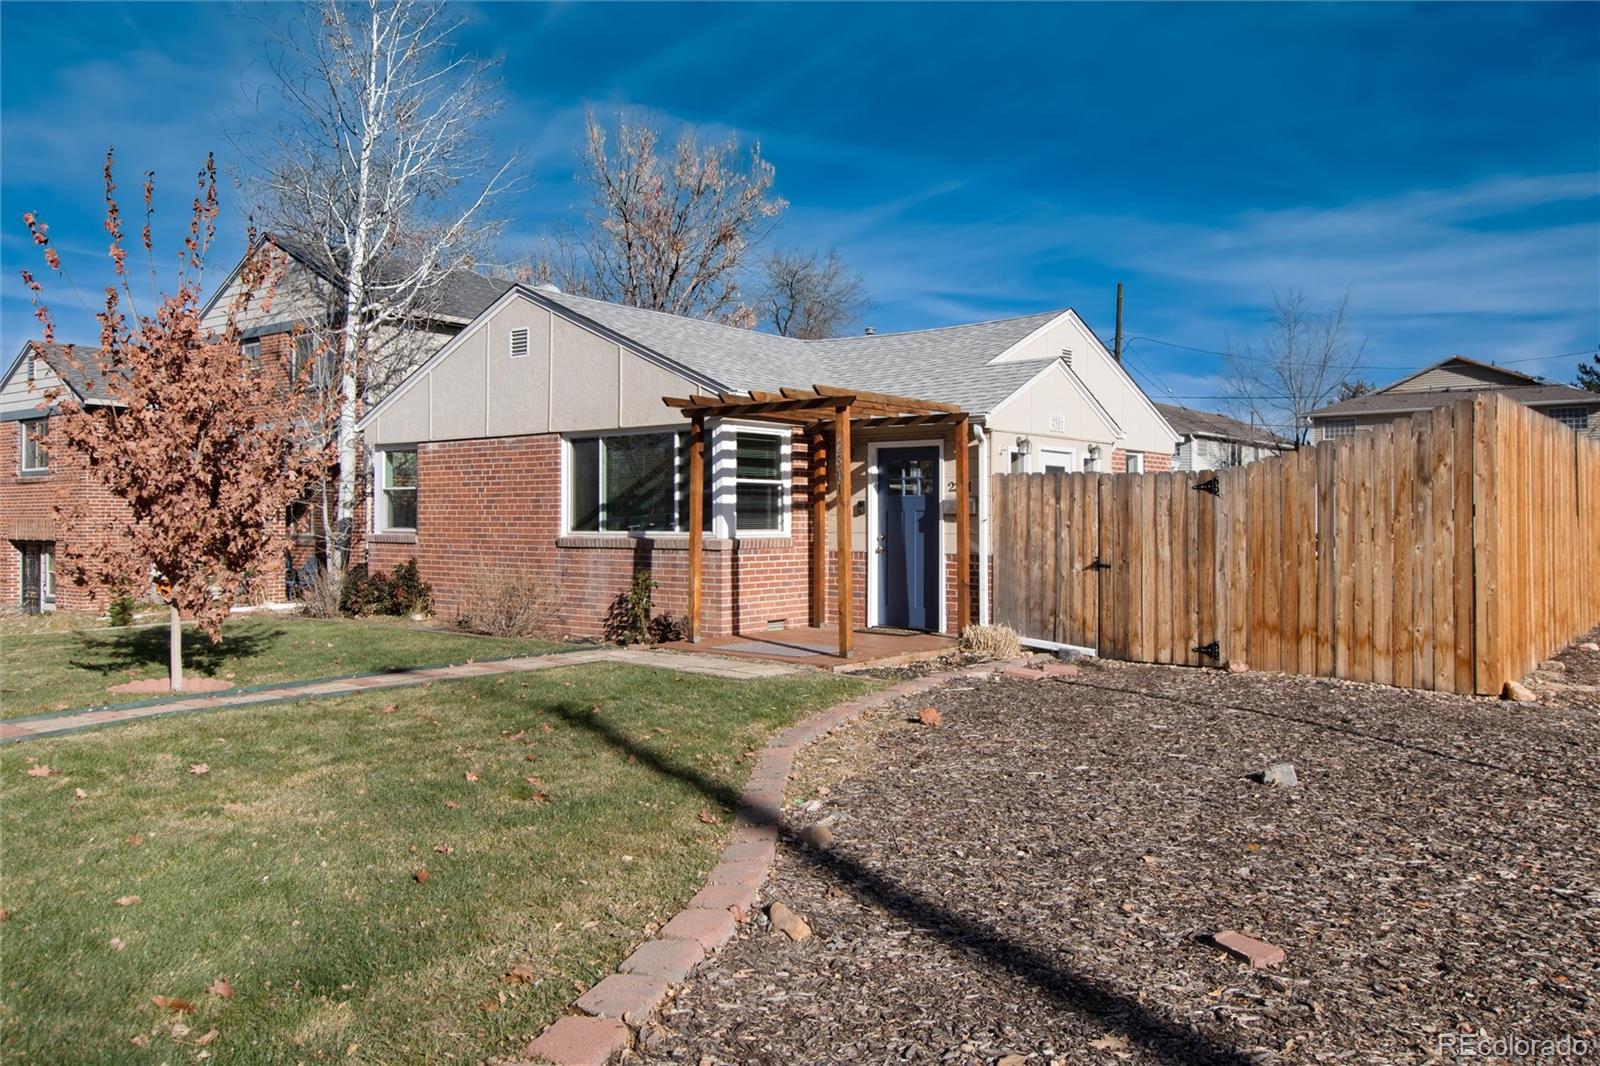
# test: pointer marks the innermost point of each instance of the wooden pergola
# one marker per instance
(818, 409)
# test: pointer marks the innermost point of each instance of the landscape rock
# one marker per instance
(787, 922)
(1280, 775)
(1238, 666)
(1517, 692)
(816, 836)
(1589, 645)
(1258, 953)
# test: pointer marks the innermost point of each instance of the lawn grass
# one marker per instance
(45, 671)
(601, 797)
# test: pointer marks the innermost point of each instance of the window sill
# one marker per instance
(34, 475)
(394, 538)
(670, 541)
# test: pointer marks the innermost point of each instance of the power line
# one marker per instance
(1265, 359)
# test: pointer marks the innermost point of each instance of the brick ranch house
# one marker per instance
(539, 440)
(37, 481)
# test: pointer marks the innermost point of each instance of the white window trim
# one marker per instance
(22, 437)
(1070, 453)
(379, 507)
(1129, 458)
(720, 469)
(47, 580)
(874, 568)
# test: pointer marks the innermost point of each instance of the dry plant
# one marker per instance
(991, 641)
(319, 598)
(511, 603)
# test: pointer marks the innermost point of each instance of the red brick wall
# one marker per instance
(496, 503)
(1154, 462)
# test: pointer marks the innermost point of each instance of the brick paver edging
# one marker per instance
(606, 1017)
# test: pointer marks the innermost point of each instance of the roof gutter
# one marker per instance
(982, 434)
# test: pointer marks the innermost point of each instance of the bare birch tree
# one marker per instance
(1305, 361)
(381, 177)
(810, 295)
(667, 234)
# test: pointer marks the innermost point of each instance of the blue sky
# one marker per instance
(1440, 163)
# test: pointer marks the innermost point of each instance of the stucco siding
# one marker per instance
(519, 388)
(460, 391)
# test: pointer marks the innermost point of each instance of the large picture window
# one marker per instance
(639, 483)
(397, 490)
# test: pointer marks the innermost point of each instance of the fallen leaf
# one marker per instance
(633, 760)
(221, 987)
(126, 901)
(173, 1004)
(518, 735)
(139, 1041)
(117, 944)
(41, 771)
(444, 849)
(709, 818)
(490, 1006)
(350, 1052)
(390, 708)
(205, 1038)
(80, 793)
(199, 768)
(1110, 1042)
(530, 757)
(471, 777)
(930, 716)
(179, 1030)
(136, 840)
(420, 876)
(519, 975)
(4, 914)
(452, 804)
(541, 798)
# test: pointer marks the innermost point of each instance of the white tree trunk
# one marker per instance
(175, 652)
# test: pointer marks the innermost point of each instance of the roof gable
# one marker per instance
(1459, 372)
(1191, 422)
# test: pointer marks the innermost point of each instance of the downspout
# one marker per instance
(983, 521)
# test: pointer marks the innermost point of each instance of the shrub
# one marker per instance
(664, 629)
(511, 603)
(992, 641)
(120, 613)
(321, 596)
(628, 619)
(401, 592)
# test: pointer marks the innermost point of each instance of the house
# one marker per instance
(1211, 441)
(540, 440)
(1447, 381)
(41, 485)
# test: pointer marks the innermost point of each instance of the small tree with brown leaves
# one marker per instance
(206, 449)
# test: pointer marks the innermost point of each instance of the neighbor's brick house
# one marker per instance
(537, 442)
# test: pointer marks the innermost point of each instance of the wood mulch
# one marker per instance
(1038, 877)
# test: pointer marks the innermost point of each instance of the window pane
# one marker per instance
(640, 479)
(585, 486)
(757, 506)
(758, 455)
(402, 470)
(402, 508)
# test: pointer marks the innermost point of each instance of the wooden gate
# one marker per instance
(1451, 551)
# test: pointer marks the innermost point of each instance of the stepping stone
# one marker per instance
(577, 1041)
(1258, 953)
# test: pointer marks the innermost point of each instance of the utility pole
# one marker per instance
(1117, 350)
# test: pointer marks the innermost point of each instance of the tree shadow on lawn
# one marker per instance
(1076, 992)
(139, 648)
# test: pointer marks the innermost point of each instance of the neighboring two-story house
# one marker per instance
(1447, 381)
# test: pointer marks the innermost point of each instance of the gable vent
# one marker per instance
(1058, 424)
(519, 343)
(1066, 356)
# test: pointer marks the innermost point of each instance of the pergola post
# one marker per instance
(697, 482)
(819, 524)
(963, 529)
(841, 517)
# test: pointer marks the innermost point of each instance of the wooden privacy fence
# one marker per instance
(1451, 550)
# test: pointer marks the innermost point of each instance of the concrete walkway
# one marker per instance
(40, 725)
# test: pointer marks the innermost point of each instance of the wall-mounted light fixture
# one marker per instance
(1024, 446)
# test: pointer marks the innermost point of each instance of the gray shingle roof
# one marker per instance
(1393, 402)
(78, 365)
(1189, 422)
(949, 365)
(460, 294)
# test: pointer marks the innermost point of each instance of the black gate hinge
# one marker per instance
(1098, 564)
(1211, 485)
(1210, 651)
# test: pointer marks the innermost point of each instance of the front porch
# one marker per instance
(910, 490)
(819, 647)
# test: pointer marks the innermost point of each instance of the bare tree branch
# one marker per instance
(810, 295)
(1303, 364)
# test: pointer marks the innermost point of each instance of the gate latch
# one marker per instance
(1210, 651)
(1211, 485)
(1098, 564)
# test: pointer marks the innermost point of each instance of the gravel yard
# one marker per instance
(1039, 877)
